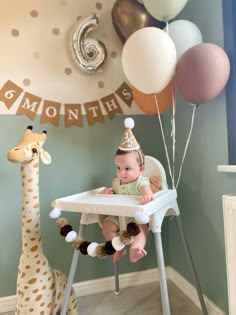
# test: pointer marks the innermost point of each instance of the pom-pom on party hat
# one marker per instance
(128, 141)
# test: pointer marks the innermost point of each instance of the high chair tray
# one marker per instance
(93, 201)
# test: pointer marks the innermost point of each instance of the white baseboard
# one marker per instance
(7, 304)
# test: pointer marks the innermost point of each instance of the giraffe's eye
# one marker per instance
(34, 150)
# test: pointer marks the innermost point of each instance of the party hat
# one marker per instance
(128, 141)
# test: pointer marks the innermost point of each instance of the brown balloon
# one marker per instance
(147, 103)
(129, 16)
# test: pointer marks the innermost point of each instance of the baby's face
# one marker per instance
(127, 167)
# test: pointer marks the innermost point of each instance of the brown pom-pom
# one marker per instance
(61, 222)
(125, 238)
(76, 243)
(83, 247)
(66, 229)
(133, 229)
(100, 251)
(109, 249)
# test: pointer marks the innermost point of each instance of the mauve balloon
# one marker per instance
(202, 72)
(129, 16)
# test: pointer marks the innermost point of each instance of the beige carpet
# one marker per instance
(139, 300)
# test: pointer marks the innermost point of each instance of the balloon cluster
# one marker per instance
(174, 55)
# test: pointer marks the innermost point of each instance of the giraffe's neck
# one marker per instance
(31, 236)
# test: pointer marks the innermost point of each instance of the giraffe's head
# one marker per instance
(29, 148)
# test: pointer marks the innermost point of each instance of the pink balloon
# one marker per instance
(202, 72)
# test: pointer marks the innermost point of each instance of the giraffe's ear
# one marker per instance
(45, 157)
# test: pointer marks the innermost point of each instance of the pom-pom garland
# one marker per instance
(94, 249)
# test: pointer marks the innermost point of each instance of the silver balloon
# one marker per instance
(89, 53)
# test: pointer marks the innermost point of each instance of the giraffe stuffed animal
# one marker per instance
(40, 289)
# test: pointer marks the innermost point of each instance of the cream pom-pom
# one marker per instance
(141, 217)
(91, 249)
(129, 123)
(71, 236)
(117, 244)
(55, 213)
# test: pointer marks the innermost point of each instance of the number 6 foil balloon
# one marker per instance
(89, 53)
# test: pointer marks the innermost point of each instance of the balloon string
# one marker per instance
(187, 143)
(163, 138)
(173, 134)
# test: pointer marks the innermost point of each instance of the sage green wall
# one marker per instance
(82, 160)
(201, 186)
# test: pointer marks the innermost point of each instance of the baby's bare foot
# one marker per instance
(136, 254)
(117, 256)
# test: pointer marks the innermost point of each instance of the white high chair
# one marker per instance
(91, 204)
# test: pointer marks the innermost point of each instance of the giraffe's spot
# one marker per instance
(42, 304)
(35, 197)
(26, 287)
(31, 310)
(20, 293)
(28, 231)
(42, 313)
(44, 287)
(34, 248)
(27, 299)
(23, 275)
(45, 272)
(52, 286)
(32, 239)
(36, 206)
(27, 267)
(38, 270)
(30, 190)
(59, 296)
(30, 180)
(33, 280)
(28, 221)
(49, 305)
(27, 202)
(39, 297)
(38, 262)
(36, 165)
(36, 290)
(37, 225)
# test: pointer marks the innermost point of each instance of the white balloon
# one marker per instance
(149, 59)
(184, 34)
(164, 10)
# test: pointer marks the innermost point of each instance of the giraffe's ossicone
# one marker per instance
(40, 288)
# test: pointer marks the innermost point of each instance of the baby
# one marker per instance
(130, 181)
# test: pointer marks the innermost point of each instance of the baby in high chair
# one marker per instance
(129, 163)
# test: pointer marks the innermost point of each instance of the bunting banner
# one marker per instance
(30, 104)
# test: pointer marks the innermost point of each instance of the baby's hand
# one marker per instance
(107, 190)
(147, 198)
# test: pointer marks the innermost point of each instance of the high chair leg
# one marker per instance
(162, 273)
(191, 264)
(117, 286)
(71, 274)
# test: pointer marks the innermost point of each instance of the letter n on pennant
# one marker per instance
(9, 93)
(125, 93)
(29, 105)
(73, 115)
(51, 112)
(111, 105)
(93, 112)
